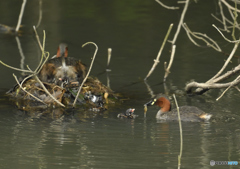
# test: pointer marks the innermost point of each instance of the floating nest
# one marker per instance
(94, 95)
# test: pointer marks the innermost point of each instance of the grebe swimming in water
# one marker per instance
(187, 113)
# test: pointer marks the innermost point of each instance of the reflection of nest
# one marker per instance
(93, 95)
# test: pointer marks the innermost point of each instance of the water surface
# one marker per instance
(84, 139)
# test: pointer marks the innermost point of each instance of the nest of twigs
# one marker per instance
(94, 95)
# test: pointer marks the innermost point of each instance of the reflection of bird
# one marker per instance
(128, 114)
(187, 113)
(62, 69)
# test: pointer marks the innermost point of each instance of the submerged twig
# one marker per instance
(84, 80)
(20, 15)
(156, 61)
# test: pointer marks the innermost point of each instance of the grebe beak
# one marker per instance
(150, 103)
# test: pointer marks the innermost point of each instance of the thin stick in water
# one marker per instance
(109, 58)
(156, 61)
(180, 129)
(167, 70)
(20, 15)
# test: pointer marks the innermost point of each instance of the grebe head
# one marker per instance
(62, 50)
(162, 102)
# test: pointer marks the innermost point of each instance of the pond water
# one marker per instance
(135, 31)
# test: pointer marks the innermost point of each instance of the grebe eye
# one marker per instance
(154, 101)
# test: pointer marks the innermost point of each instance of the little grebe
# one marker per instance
(62, 69)
(128, 114)
(187, 113)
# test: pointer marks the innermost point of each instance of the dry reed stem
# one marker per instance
(167, 69)
(167, 7)
(37, 37)
(180, 130)
(20, 15)
(156, 61)
(84, 80)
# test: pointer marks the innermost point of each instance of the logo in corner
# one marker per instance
(212, 162)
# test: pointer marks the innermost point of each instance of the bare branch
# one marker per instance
(223, 16)
(180, 22)
(202, 37)
(226, 63)
(165, 6)
(228, 88)
(209, 86)
(236, 41)
(229, 6)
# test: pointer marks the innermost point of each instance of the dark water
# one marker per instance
(135, 31)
